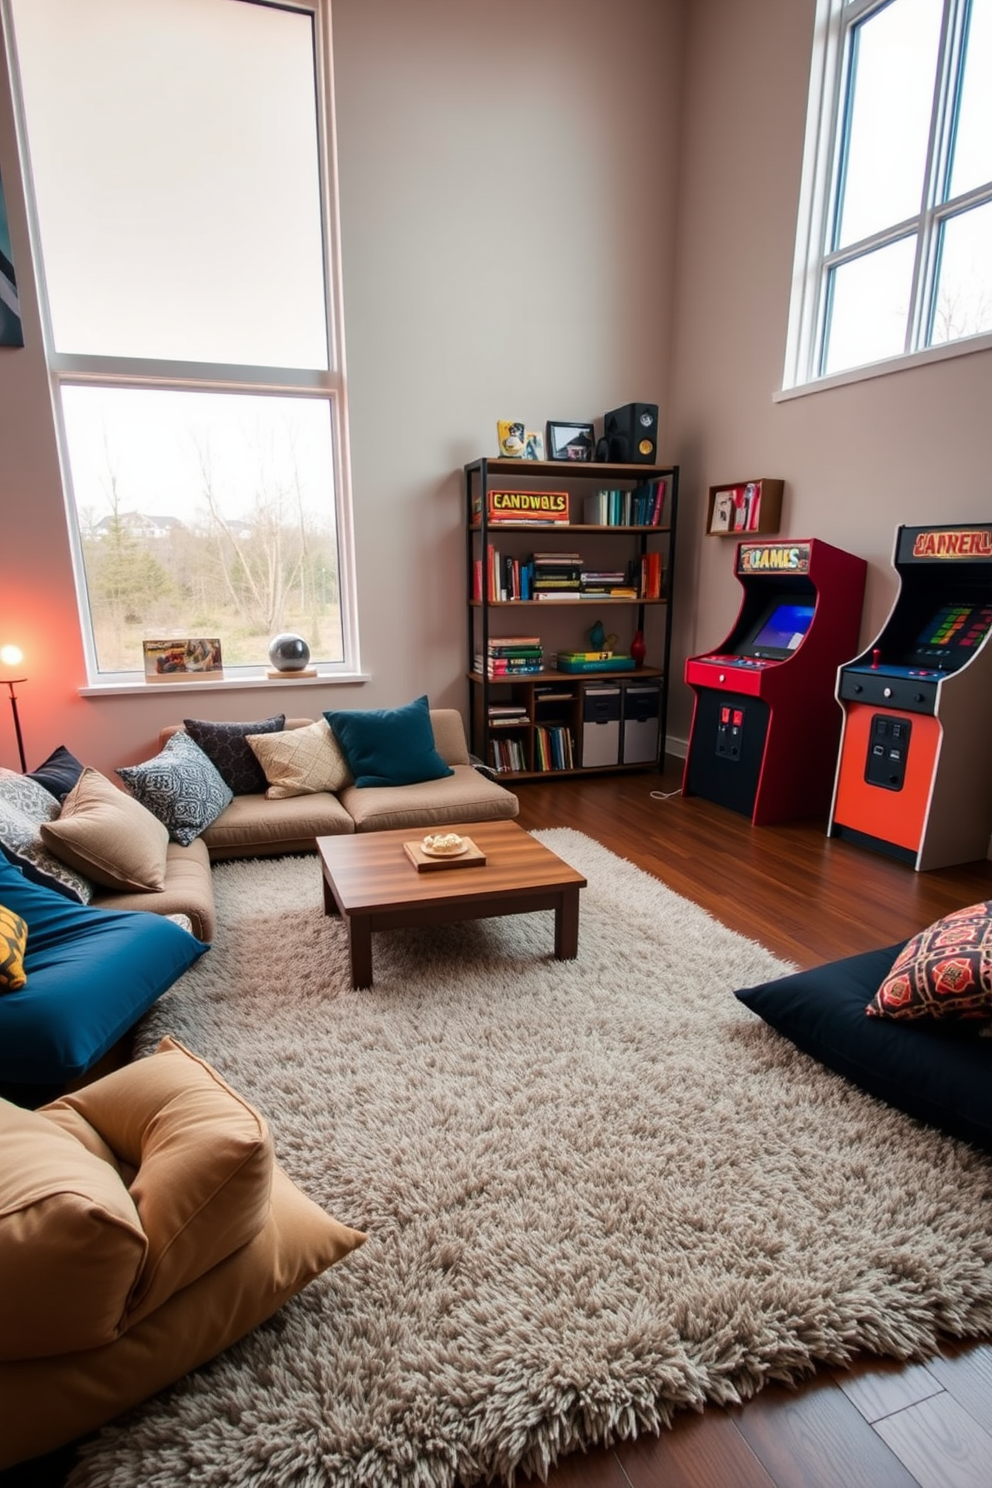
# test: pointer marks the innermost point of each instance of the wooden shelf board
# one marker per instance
(578, 770)
(537, 677)
(549, 527)
(551, 604)
(568, 469)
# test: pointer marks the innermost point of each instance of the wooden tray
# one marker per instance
(473, 858)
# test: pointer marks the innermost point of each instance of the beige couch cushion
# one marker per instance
(254, 827)
(465, 796)
(449, 735)
(108, 836)
(188, 890)
(72, 1246)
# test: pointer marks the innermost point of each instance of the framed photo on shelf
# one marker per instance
(570, 441)
(511, 435)
(724, 509)
(186, 659)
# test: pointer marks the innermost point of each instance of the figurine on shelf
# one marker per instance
(597, 635)
(638, 649)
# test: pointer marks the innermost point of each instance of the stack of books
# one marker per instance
(556, 575)
(511, 656)
(594, 661)
(605, 583)
(507, 715)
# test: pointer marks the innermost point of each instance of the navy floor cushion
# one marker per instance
(91, 973)
(937, 1071)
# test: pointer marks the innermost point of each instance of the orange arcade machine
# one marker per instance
(765, 723)
(914, 780)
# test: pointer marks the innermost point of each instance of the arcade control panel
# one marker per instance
(944, 645)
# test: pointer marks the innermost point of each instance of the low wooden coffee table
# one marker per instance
(369, 879)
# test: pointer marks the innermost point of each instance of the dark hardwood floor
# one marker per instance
(809, 899)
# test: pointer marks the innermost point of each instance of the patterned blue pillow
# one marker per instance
(24, 805)
(181, 787)
(226, 746)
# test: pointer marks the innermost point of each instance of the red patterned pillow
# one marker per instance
(944, 972)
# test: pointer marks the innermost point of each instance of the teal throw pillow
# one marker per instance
(389, 746)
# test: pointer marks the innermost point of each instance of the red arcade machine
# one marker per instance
(914, 778)
(765, 723)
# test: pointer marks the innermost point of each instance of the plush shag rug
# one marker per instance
(596, 1192)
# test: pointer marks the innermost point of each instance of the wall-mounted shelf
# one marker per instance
(745, 508)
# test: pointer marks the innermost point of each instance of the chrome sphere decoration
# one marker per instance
(289, 653)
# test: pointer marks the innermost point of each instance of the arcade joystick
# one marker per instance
(875, 655)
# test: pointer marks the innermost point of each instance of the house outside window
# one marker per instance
(180, 169)
(894, 240)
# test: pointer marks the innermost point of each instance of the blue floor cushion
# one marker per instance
(934, 1069)
(90, 974)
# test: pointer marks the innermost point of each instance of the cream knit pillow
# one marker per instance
(300, 761)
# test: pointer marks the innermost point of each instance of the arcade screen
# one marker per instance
(781, 629)
(951, 636)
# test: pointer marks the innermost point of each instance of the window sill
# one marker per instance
(221, 684)
(885, 369)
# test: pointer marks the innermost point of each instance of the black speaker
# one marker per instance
(632, 433)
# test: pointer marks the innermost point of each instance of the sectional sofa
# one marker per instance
(73, 982)
(256, 825)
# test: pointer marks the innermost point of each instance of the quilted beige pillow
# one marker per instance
(300, 761)
(109, 836)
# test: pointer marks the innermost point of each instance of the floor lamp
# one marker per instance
(13, 656)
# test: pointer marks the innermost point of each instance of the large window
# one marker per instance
(180, 173)
(894, 248)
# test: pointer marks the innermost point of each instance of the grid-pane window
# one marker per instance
(179, 171)
(893, 243)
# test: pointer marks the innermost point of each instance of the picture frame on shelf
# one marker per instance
(511, 435)
(570, 441)
(184, 659)
(533, 445)
(722, 516)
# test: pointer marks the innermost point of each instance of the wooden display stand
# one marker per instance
(765, 722)
(741, 508)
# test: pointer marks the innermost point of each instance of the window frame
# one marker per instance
(328, 385)
(820, 196)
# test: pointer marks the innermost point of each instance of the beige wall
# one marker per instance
(911, 447)
(548, 209)
(507, 182)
